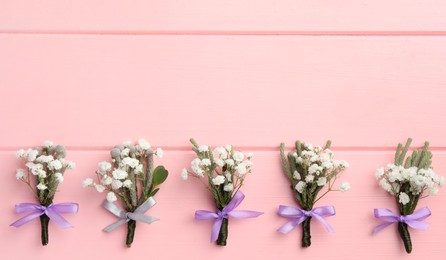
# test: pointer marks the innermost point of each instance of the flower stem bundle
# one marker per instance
(131, 177)
(409, 179)
(310, 169)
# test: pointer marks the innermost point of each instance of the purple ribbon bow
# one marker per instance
(225, 213)
(299, 215)
(414, 220)
(53, 211)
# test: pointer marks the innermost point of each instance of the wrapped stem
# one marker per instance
(223, 234)
(306, 233)
(44, 220)
(405, 236)
(131, 226)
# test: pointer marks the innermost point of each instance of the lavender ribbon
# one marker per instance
(53, 211)
(225, 213)
(298, 216)
(137, 215)
(413, 220)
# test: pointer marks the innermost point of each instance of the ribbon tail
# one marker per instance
(115, 225)
(290, 225)
(22, 221)
(244, 213)
(205, 215)
(58, 219)
(142, 218)
(381, 227)
(324, 222)
(415, 224)
(216, 226)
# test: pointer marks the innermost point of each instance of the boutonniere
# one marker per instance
(131, 179)
(45, 169)
(408, 180)
(310, 170)
(222, 171)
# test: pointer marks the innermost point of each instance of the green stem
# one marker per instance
(405, 236)
(44, 220)
(223, 234)
(306, 235)
(131, 226)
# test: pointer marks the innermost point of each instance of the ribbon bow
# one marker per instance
(225, 213)
(414, 220)
(53, 211)
(137, 215)
(298, 216)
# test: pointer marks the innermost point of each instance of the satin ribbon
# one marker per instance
(225, 213)
(298, 215)
(53, 211)
(413, 220)
(137, 215)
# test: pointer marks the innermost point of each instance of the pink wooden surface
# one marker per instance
(163, 16)
(93, 74)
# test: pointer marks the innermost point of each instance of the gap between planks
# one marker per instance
(227, 33)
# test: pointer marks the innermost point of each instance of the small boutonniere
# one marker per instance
(45, 169)
(408, 181)
(131, 177)
(222, 171)
(309, 170)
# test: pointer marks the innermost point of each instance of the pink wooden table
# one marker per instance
(91, 74)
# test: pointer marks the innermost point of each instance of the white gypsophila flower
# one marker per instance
(41, 186)
(184, 174)
(59, 177)
(32, 155)
(327, 165)
(228, 187)
(219, 179)
(317, 149)
(385, 185)
(433, 191)
(35, 168)
(220, 150)
(130, 162)
(48, 144)
(159, 153)
(296, 175)
(111, 197)
(249, 155)
(238, 156)
(56, 165)
(379, 173)
(99, 188)
(106, 180)
(127, 184)
(345, 186)
(87, 182)
(403, 198)
(441, 181)
(309, 178)
(300, 186)
(143, 144)
(248, 163)
(228, 147)
(321, 181)
(219, 162)
(309, 146)
(206, 162)
(71, 165)
(203, 148)
(119, 174)
(20, 153)
(127, 143)
(42, 174)
(314, 168)
(116, 184)
(20, 174)
(230, 162)
(228, 176)
(242, 168)
(104, 167)
(125, 152)
(196, 165)
(45, 158)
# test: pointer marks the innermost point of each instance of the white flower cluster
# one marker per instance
(127, 167)
(47, 165)
(317, 168)
(406, 182)
(225, 167)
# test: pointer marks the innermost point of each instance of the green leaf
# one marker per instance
(154, 192)
(159, 175)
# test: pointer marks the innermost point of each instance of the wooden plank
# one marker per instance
(251, 91)
(177, 200)
(207, 16)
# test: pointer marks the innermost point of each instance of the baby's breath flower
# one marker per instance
(111, 197)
